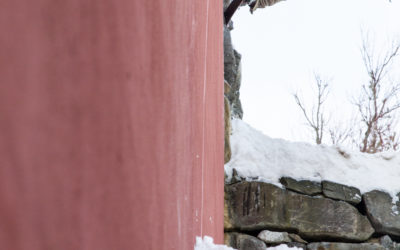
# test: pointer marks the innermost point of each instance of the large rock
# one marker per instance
(383, 215)
(302, 186)
(344, 246)
(243, 242)
(341, 192)
(258, 206)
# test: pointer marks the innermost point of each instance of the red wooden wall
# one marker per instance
(111, 124)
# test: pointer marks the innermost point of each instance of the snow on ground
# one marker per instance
(208, 244)
(283, 247)
(257, 156)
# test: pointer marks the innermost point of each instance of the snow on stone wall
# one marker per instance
(306, 196)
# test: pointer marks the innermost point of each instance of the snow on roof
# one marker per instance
(257, 156)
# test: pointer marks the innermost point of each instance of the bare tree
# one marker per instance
(378, 100)
(386, 138)
(315, 116)
(342, 134)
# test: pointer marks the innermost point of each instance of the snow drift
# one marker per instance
(256, 156)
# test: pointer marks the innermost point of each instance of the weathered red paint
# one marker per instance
(111, 124)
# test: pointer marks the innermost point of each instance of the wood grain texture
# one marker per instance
(111, 124)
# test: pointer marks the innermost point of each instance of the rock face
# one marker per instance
(344, 246)
(232, 70)
(384, 215)
(243, 242)
(257, 206)
(303, 186)
(232, 74)
(341, 192)
(227, 120)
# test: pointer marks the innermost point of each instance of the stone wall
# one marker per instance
(303, 214)
(309, 215)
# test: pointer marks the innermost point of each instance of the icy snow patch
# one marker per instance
(256, 156)
(284, 247)
(208, 244)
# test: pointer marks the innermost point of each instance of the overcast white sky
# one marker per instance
(283, 45)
